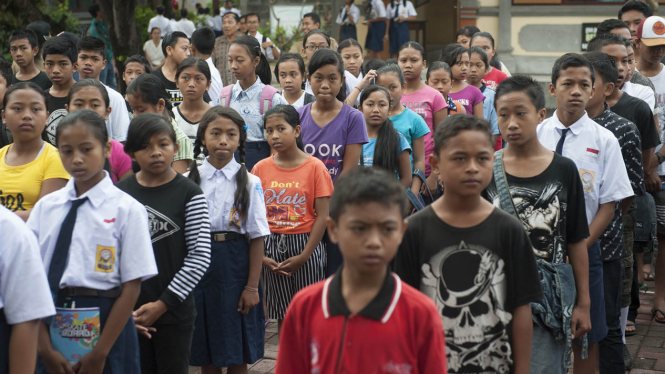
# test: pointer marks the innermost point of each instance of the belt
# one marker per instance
(225, 236)
(89, 292)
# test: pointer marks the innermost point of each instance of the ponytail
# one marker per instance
(253, 48)
(386, 151)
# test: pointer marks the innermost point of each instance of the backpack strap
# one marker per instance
(501, 182)
(266, 98)
(225, 96)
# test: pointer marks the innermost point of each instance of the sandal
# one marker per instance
(655, 318)
(648, 276)
(631, 333)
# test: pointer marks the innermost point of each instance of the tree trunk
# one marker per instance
(123, 32)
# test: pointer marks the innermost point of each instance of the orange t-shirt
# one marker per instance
(290, 193)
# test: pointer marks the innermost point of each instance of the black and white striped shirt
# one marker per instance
(180, 232)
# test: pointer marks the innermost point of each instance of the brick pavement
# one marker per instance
(647, 347)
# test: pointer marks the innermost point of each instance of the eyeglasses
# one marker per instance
(313, 48)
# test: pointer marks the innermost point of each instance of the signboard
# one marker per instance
(588, 33)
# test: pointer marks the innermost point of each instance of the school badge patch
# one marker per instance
(587, 177)
(105, 259)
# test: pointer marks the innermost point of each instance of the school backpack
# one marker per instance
(266, 97)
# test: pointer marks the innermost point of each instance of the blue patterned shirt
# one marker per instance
(247, 104)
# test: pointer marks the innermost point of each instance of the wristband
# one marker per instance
(251, 289)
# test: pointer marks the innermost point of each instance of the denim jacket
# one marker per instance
(553, 312)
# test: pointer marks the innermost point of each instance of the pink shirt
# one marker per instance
(426, 102)
(120, 161)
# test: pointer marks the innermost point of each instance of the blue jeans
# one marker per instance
(611, 348)
(107, 76)
(546, 354)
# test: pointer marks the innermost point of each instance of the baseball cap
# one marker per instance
(652, 31)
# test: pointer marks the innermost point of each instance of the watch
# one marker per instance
(661, 157)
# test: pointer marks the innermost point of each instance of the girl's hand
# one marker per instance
(367, 80)
(385, 38)
(92, 363)
(149, 313)
(56, 363)
(401, 19)
(273, 266)
(248, 300)
(292, 264)
(145, 331)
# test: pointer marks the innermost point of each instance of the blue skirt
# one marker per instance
(347, 32)
(223, 336)
(399, 34)
(5, 335)
(124, 356)
(375, 33)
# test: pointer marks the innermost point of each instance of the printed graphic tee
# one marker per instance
(57, 111)
(329, 142)
(290, 193)
(173, 90)
(550, 206)
(476, 276)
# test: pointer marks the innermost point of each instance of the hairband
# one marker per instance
(245, 128)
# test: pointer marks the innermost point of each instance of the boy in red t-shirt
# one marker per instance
(363, 319)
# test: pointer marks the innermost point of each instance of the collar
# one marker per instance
(380, 308)
(96, 194)
(229, 171)
(482, 88)
(575, 128)
(252, 91)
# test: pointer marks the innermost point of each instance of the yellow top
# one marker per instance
(20, 186)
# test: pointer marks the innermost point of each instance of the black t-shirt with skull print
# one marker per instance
(476, 276)
(550, 206)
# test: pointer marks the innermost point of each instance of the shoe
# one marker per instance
(627, 360)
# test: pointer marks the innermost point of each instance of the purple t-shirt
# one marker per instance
(329, 142)
(468, 97)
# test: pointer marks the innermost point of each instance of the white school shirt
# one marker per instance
(268, 52)
(154, 52)
(404, 11)
(298, 103)
(24, 291)
(641, 92)
(597, 154)
(223, 11)
(217, 23)
(215, 83)
(219, 188)
(185, 26)
(378, 9)
(111, 241)
(118, 123)
(354, 12)
(160, 22)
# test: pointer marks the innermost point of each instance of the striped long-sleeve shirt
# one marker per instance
(180, 232)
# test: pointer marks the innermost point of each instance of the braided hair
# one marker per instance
(241, 196)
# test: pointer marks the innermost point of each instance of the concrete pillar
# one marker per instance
(504, 40)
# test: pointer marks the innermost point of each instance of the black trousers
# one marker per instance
(611, 347)
(168, 351)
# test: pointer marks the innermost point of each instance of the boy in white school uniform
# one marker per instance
(24, 294)
(596, 152)
(203, 44)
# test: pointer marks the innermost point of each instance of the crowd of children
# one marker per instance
(444, 226)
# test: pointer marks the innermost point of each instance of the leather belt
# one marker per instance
(225, 236)
(89, 292)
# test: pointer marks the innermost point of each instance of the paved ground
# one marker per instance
(647, 347)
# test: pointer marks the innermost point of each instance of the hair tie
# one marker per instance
(245, 128)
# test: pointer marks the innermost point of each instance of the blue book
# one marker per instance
(75, 332)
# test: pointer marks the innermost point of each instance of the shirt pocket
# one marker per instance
(102, 262)
(590, 175)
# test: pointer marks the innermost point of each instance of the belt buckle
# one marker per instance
(220, 237)
(70, 291)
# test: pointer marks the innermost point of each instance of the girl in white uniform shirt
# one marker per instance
(95, 245)
(24, 295)
(229, 329)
